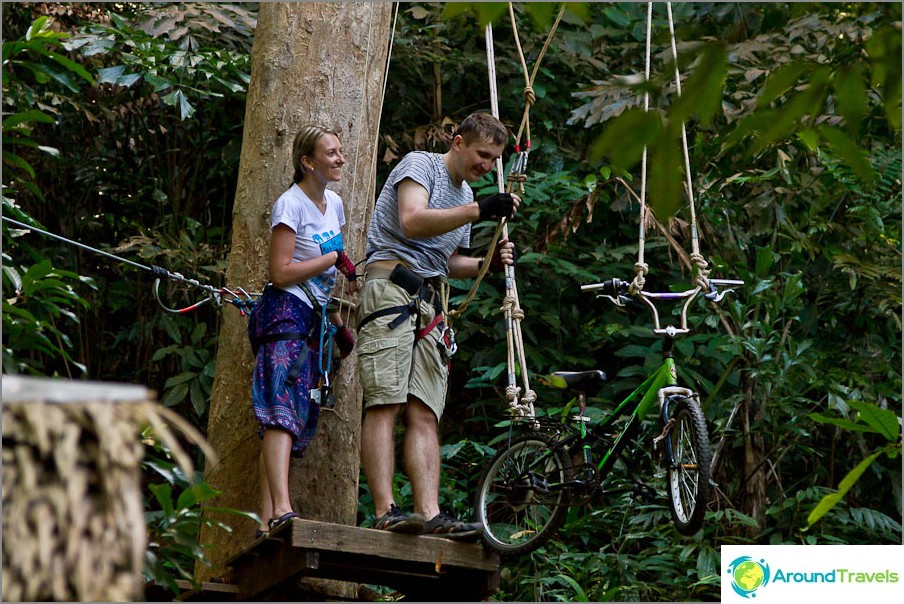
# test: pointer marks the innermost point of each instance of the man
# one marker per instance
(422, 218)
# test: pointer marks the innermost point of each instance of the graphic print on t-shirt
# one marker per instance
(329, 242)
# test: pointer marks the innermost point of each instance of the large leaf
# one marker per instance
(830, 501)
(884, 421)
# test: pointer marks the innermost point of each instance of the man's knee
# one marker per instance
(419, 415)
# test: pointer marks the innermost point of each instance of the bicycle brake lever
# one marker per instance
(619, 301)
(716, 296)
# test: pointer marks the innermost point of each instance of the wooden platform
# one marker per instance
(421, 568)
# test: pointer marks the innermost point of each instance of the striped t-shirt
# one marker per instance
(428, 256)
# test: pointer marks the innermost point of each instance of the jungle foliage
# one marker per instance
(131, 121)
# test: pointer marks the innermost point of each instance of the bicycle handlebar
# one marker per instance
(617, 291)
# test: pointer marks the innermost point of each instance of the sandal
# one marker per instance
(258, 534)
(275, 523)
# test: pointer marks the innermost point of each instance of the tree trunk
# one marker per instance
(753, 493)
(320, 63)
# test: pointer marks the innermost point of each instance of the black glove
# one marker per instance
(497, 205)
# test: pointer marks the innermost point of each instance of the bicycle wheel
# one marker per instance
(689, 476)
(521, 500)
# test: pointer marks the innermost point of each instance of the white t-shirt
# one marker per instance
(316, 234)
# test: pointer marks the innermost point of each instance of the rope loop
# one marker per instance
(530, 97)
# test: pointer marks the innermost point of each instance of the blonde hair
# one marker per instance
(304, 144)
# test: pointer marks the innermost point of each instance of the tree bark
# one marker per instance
(322, 63)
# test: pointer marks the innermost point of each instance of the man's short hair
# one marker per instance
(482, 127)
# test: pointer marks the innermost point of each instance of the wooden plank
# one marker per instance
(18, 389)
(324, 536)
(412, 564)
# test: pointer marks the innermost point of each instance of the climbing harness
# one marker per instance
(432, 291)
(640, 267)
(519, 404)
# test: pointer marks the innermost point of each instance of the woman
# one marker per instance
(305, 252)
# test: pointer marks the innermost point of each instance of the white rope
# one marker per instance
(702, 278)
(519, 405)
(640, 267)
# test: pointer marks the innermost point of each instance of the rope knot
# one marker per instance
(517, 177)
(703, 271)
(640, 269)
(529, 96)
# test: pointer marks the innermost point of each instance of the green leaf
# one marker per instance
(782, 79)
(884, 421)
(175, 396)
(178, 97)
(157, 83)
(13, 160)
(845, 424)
(665, 181)
(624, 138)
(849, 152)
(198, 493)
(580, 594)
(185, 376)
(765, 258)
(40, 24)
(26, 117)
(163, 493)
(829, 501)
(851, 94)
(72, 66)
(703, 92)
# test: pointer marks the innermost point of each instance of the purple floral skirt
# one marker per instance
(278, 404)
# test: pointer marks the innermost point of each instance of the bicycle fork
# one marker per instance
(665, 397)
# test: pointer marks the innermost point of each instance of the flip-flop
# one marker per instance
(258, 534)
(275, 523)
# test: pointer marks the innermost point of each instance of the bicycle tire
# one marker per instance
(689, 477)
(517, 516)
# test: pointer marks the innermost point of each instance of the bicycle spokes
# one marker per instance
(522, 499)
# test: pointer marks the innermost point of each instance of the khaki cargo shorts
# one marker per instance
(391, 366)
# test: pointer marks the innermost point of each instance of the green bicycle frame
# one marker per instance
(644, 396)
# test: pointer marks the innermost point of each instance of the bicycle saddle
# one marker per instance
(579, 380)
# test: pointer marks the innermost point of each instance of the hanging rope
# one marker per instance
(702, 278)
(239, 297)
(640, 267)
(520, 404)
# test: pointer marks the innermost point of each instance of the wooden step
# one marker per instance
(421, 567)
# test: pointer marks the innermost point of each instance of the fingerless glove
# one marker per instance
(345, 340)
(498, 205)
(346, 266)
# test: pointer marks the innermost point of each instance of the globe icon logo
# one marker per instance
(748, 575)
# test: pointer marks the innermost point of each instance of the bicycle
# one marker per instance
(524, 494)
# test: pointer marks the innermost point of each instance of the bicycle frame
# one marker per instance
(649, 392)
